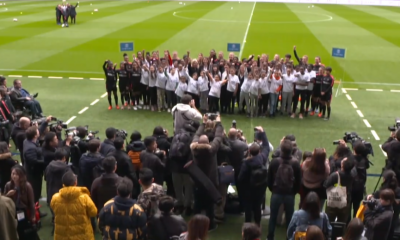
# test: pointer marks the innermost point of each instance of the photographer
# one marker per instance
(164, 144)
(184, 112)
(79, 145)
(153, 159)
(341, 152)
(33, 156)
(378, 216)
(107, 147)
(392, 148)
(296, 151)
(52, 141)
(88, 162)
(18, 134)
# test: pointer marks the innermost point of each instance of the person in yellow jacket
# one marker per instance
(73, 208)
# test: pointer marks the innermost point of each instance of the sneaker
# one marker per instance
(109, 107)
(135, 108)
(293, 115)
(312, 113)
(117, 107)
(169, 110)
(320, 115)
(140, 107)
(301, 116)
(326, 119)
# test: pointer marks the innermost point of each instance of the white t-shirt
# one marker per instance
(312, 75)
(264, 85)
(181, 89)
(302, 79)
(287, 84)
(255, 85)
(152, 81)
(161, 80)
(193, 86)
(215, 90)
(145, 78)
(246, 85)
(232, 81)
(172, 81)
(203, 84)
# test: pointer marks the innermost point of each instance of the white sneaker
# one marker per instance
(169, 110)
(140, 102)
(135, 108)
(140, 107)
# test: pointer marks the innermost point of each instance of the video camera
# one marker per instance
(396, 125)
(58, 122)
(39, 121)
(121, 133)
(76, 137)
(212, 116)
(372, 203)
(352, 137)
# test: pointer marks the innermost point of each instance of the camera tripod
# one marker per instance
(377, 183)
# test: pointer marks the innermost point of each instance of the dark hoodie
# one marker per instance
(122, 216)
(176, 165)
(104, 188)
(53, 176)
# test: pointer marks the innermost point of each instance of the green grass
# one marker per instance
(36, 46)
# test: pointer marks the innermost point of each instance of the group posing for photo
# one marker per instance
(257, 87)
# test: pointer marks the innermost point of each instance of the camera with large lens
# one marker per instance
(121, 133)
(38, 121)
(372, 203)
(396, 125)
(212, 116)
(352, 137)
(57, 123)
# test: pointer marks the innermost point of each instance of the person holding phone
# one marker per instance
(184, 112)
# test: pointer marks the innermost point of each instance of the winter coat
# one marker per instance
(8, 220)
(302, 218)
(104, 188)
(73, 209)
(107, 148)
(53, 176)
(163, 226)
(6, 163)
(377, 222)
(144, 198)
(122, 219)
(152, 161)
(86, 164)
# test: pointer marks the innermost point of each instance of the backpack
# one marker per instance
(301, 231)
(180, 145)
(259, 175)
(284, 177)
(135, 158)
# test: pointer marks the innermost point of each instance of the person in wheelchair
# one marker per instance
(20, 98)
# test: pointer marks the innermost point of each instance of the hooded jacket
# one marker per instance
(205, 155)
(122, 219)
(104, 188)
(163, 226)
(73, 209)
(182, 114)
(145, 197)
(377, 222)
(53, 176)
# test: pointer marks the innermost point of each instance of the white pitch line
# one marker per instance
(94, 102)
(367, 123)
(48, 71)
(351, 89)
(247, 31)
(384, 153)
(34, 76)
(14, 75)
(395, 90)
(348, 97)
(375, 135)
(344, 90)
(374, 90)
(78, 78)
(83, 110)
(70, 120)
(360, 113)
(105, 94)
(55, 77)
(97, 79)
(354, 104)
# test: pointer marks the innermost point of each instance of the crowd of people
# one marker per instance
(255, 86)
(64, 12)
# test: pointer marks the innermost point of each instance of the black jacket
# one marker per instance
(392, 148)
(125, 167)
(33, 157)
(48, 155)
(205, 155)
(104, 188)
(237, 154)
(53, 176)
(155, 163)
(163, 226)
(296, 153)
(177, 165)
(18, 136)
(396, 209)
(86, 164)
(163, 143)
(273, 169)
(107, 148)
(6, 163)
(378, 222)
(346, 180)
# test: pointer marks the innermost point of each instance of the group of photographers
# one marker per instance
(197, 162)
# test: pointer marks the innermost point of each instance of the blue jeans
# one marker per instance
(276, 201)
(273, 100)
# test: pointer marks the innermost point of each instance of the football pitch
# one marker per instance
(64, 64)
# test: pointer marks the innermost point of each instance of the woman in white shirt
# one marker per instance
(264, 87)
(245, 93)
(276, 85)
(144, 82)
(172, 81)
(255, 94)
(193, 88)
(152, 87)
(288, 81)
(301, 87)
(181, 88)
(160, 84)
(232, 89)
(215, 92)
(203, 89)
(224, 101)
(242, 74)
(312, 74)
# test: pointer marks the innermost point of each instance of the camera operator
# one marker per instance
(79, 146)
(184, 112)
(153, 159)
(392, 148)
(124, 165)
(205, 156)
(33, 156)
(341, 152)
(296, 151)
(18, 134)
(378, 216)
(52, 141)
(107, 147)
(89, 161)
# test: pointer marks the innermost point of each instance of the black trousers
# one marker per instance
(252, 203)
(263, 104)
(308, 98)
(213, 104)
(204, 202)
(196, 99)
(35, 178)
(153, 95)
(230, 101)
(224, 99)
(302, 94)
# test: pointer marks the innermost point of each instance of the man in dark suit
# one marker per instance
(72, 12)
(18, 134)
(34, 163)
(19, 94)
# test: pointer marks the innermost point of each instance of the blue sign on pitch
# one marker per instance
(126, 47)
(339, 52)
(233, 47)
